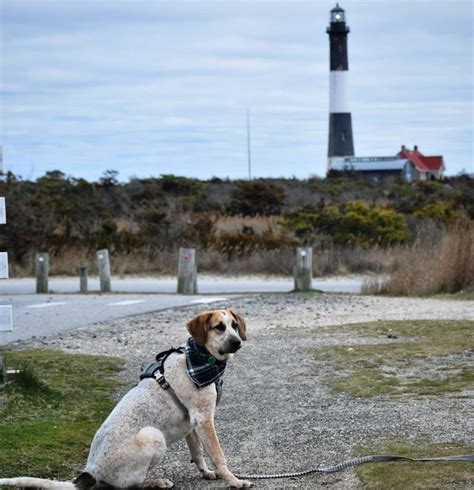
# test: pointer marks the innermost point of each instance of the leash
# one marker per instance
(377, 458)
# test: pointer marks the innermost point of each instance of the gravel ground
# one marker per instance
(275, 414)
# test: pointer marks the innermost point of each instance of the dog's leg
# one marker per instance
(208, 436)
(158, 483)
(197, 455)
(151, 445)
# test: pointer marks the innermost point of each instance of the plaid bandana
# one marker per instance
(202, 367)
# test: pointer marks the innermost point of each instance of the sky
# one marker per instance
(150, 87)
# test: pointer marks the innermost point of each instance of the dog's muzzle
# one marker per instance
(232, 346)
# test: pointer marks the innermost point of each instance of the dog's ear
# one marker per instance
(240, 324)
(198, 327)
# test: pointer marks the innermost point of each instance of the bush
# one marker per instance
(352, 223)
(256, 198)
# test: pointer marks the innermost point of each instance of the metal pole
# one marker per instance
(249, 153)
(42, 272)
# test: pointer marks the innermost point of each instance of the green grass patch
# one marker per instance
(423, 357)
(404, 475)
(51, 411)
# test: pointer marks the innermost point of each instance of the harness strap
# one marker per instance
(156, 370)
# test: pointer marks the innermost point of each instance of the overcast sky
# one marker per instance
(150, 87)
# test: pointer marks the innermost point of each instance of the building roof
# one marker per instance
(421, 162)
(337, 8)
(367, 164)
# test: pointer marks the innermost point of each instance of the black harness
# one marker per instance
(156, 370)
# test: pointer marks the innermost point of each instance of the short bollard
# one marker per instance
(83, 280)
(103, 265)
(304, 269)
(42, 271)
(187, 271)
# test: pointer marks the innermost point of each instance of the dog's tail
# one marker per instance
(28, 482)
(82, 482)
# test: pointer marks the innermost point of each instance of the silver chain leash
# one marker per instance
(357, 461)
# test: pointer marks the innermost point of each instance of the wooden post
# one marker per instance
(103, 265)
(187, 271)
(42, 271)
(304, 269)
(83, 280)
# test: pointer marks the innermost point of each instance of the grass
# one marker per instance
(51, 411)
(426, 267)
(409, 475)
(461, 296)
(409, 358)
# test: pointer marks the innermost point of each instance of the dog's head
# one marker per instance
(220, 331)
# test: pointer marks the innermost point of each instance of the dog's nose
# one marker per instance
(235, 345)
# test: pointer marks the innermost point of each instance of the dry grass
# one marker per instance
(442, 260)
(330, 261)
(445, 266)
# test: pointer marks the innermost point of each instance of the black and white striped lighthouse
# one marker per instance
(340, 123)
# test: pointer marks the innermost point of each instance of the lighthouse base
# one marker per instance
(340, 135)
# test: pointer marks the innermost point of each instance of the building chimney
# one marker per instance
(403, 147)
(415, 148)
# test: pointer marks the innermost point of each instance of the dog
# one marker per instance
(147, 420)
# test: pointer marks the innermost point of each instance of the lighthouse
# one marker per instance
(340, 123)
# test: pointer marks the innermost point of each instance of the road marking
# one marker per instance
(47, 305)
(127, 302)
(208, 300)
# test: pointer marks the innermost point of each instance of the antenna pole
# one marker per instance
(249, 155)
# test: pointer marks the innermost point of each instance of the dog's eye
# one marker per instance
(220, 327)
(235, 326)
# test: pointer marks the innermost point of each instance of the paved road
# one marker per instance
(44, 315)
(206, 284)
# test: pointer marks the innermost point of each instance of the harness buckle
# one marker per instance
(161, 380)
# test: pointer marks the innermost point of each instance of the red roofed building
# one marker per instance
(427, 167)
(406, 164)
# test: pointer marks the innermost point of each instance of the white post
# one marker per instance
(303, 270)
(187, 271)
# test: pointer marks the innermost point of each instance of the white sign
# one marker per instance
(3, 265)
(3, 214)
(6, 323)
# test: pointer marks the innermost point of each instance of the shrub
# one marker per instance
(354, 223)
(439, 212)
(256, 198)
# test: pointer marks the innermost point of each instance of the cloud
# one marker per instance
(150, 87)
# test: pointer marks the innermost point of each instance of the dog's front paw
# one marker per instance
(209, 475)
(159, 483)
(241, 484)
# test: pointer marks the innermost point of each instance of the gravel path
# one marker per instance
(275, 414)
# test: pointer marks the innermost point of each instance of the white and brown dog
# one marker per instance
(147, 420)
